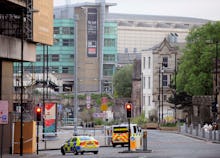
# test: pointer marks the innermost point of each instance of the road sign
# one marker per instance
(3, 112)
(104, 107)
(99, 115)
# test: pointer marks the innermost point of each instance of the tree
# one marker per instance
(195, 72)
(122, 81)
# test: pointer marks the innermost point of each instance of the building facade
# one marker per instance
(119, 38)
(159, 65)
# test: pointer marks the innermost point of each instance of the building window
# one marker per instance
(135, 50)
(56, 30)
(55, 69)
(165, 61)
(149, 83)
(164, 79)
(126, 50)
(144, 62)
(71, 56)
(109, 30)
(148, 100)
(109, 43)
(56, 41)
(38, 58)
(144, 100)
(68, 42)
(55, 57)
(109, 57)
(144, 82)
(68, 30)
(149, 62)
(65, 69)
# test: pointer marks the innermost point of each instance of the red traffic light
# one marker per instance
(38, 110)
(128, 106)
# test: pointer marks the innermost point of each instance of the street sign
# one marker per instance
(104, 107)
(99, 115)
(3, 112)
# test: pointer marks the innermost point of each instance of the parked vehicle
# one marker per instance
(80, 144)
(120, 133)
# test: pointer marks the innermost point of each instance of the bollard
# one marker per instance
(218, 135)
(203, 133)
(186, 130)
(197, 130)
(214, 136)
(191, 127)
(210, 134)
(145, 141)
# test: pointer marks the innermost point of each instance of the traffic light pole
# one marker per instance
(37, 137)
(129, 135)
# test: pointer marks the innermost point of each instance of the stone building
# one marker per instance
(159, 65)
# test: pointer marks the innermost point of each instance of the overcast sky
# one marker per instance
(206, 9)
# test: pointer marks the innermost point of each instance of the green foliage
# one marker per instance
(139, 120)
(168, 124)
(82, 96)
(195, 72)
(122, 82)
(98, 121)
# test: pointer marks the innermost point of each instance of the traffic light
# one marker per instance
(214, 107)
(128, 108)
(38, 113)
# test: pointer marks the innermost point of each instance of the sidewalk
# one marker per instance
(200, 133)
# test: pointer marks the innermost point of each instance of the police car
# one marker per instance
(80, 144)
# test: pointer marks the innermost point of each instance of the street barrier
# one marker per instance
(133, 144)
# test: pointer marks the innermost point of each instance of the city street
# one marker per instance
(163, 145)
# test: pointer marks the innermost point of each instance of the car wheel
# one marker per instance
(95, 152)
(82, 153)
(113, 145)
(62, 151)
(122, 145)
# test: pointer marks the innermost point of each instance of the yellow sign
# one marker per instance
(104, 107)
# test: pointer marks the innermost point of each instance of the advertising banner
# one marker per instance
(92, 32)
(3, 112)
(50, 118)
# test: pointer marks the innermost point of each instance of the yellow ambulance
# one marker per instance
(120, 133)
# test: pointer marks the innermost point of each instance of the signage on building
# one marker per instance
(92, 32)
(50, 117)
(3, 112)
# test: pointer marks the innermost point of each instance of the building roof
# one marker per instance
(130, 17)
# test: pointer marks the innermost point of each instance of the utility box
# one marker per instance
(29, 137)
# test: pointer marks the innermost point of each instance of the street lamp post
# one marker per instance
(159, 98)
(75, 76)
(216, 77)
(22, 72)
(162, 71)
